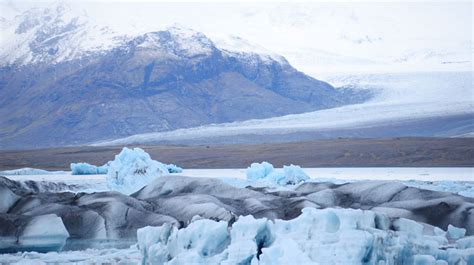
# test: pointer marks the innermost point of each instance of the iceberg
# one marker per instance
(41, 233)
(172, 168)
(88, 169)
(132, 169)
(258, 171)
(265, 172)
(317, 236)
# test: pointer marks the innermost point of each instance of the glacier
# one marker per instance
(317, 236)
(88, 169)
(399, 98)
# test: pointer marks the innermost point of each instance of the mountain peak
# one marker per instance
(59, 33)
(52, 35)
(178, 41)
(237, 46)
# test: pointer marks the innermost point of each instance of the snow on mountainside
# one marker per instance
(59, 34)
(52, 35)
(235, 46)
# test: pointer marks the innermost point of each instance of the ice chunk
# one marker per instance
(133, 169)
(200, 243)
(408, 226)
(41, 233)
(172, 168)
(249, 236)
(258, 171)
(148, 237)
(317, 236)
(289, 175)
(44, 233)
(467, 242)
(88, 169)
(284, 252)
(455, 232)
(424, 260)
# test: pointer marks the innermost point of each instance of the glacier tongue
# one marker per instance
(317, 236)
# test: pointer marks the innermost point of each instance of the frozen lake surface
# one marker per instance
(382, 173)
(459, 180)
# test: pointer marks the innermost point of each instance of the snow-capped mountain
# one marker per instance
(65, 80)
(60, 33)
(52, 35)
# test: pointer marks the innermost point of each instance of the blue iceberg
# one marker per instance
(88, 169)
(265, 172)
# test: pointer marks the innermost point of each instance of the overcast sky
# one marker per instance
(359, 31)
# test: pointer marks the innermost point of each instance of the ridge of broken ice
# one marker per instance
(317, 236)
